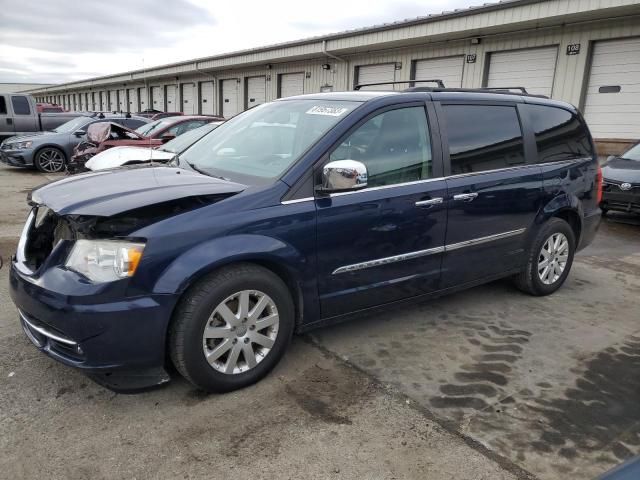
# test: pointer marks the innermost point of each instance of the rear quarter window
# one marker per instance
(3, 106)
(559, 134)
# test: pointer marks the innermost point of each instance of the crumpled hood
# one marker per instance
(622, 170)
(110, 192)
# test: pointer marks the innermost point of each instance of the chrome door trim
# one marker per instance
(430, 251)
(488, 238)
(383, 261)
(431, 201)
(297, 200)
(383, 187)
(465, 197)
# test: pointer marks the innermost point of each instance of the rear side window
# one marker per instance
(20, 105)
(560, 135)
(3, 106)
(483, 137)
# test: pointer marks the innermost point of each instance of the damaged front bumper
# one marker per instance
(120, 343)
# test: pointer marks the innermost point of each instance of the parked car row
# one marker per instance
(103, 136)
(49, 141)
(299, 213)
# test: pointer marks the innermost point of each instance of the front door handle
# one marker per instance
(465, 197)
(430, 203)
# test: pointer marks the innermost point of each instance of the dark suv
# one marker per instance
(299, 213)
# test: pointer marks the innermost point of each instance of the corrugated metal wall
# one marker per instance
(569, 83)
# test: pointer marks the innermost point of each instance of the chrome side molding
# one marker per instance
(423, 253)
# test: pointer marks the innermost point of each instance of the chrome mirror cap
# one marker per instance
(343, 175)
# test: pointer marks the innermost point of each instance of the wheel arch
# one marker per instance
(272, 254)
(566, 207)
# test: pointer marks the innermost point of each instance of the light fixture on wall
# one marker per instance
(398, 65)
(326, 66)
(307, 74)
(475, 41)
(268, 66)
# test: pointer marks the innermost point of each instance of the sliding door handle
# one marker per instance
(465, 197)
(430, 203)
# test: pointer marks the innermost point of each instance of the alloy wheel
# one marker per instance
(240, 332)
(51, 161)
(553, 258)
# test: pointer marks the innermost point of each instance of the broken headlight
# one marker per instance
(105, 260)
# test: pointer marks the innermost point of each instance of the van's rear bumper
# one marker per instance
(590, 225)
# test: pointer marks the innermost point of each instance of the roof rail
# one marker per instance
(437, 81)
(508, 89)
(497, 90)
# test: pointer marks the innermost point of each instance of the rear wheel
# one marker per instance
(232, 328)
(50, 160)
(549, 259)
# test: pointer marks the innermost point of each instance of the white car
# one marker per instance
(128, 155)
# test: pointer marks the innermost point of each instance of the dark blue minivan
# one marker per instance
(298, 213)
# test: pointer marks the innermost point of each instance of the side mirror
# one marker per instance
(80, 133)
(343, 176)
(165, 138)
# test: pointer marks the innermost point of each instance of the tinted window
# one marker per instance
(134, 123)
(3, 106)
(483, 137)
(20, 105)
(179, 129)
(559, 134)
(394, 146)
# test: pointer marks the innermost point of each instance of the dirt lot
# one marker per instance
(485, 384)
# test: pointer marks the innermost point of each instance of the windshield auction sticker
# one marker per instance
(324, 110)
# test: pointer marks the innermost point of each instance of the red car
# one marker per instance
(151, 134)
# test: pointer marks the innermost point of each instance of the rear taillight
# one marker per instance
(599, 184)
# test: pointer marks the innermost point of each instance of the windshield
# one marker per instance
(633, 153)
(258, 145)
(149, 129)
(184, 141)
(72, 125)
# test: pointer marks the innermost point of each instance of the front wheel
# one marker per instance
(549, 259)
(232, 328)
(49, 160)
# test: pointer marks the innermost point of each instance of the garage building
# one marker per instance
(585, 53)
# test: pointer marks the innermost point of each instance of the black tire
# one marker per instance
(529, 280)
(192, 316)
(50, 160)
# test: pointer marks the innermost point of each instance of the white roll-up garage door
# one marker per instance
(104, 101)
(612, 101)
(256, 91)
(448, 69)
(384, 72)
(532, 68)
(142, 96)
(291, 84)
(113, 100)
(188, 99)
(206, 98)
(80, 106)
(230, 94)
(172, 95)
(133, 100)
(122, 100)
(157, 98)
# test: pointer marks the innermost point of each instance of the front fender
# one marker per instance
(208, 256)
